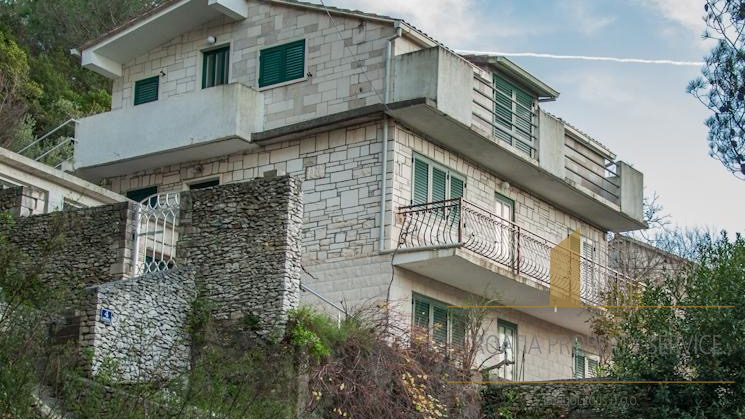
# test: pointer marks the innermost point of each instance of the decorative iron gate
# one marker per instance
(157, 233)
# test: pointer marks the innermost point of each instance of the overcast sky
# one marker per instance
(640, 111)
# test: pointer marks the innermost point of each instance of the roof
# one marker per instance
(334, 10)
(530, 81)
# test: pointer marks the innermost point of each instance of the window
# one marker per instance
(508, 343)
(433, 182)
(585, 366)
(139, 195)
(513, 111)
(445, 326)
(146, 90)
(215, 64)
(282, 63)
(204, 184)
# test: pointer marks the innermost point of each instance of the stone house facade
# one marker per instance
(380, 115)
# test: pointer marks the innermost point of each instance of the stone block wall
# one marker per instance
(21, 201)
(148, 338)
(243, 241)
(341, 172)
(95, 244)
(344, 57)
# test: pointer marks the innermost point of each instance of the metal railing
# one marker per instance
(520, 131)
(157, 233)
(45, 146)
(584, 169)
(459, 223)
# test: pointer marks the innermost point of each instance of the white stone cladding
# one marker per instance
(346, 61)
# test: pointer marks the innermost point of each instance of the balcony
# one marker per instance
(201, 124)
(452, 101)
(470, 248)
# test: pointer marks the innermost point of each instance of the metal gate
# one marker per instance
(157, 233)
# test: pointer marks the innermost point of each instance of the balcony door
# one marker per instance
(504, 234)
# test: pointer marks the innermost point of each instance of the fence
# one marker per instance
(456, 222)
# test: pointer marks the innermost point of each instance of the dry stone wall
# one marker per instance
(20, 201)
(148, 337)
(243, 240)
(95, 244)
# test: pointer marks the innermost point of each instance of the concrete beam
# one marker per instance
(234, 9)
(101, 65)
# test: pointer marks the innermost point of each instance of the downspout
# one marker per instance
(386, 99)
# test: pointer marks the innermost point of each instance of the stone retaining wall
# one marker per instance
(244, 241)
(148, 336)
(570, 399)
(79, 247)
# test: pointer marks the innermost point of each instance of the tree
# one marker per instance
(688, 327)
(722, 87)
(16, 89)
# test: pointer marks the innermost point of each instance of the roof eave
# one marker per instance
(543, 90)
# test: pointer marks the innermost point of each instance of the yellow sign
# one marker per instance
(565, 272)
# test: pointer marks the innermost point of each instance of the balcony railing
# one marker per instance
(593, 172)
(458, 223)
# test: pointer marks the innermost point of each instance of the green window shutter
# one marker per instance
(592, 366)
(458, 334)
(421, 182)
(503, 101)
(146, 90)
(282, 63)
(457, 186)
(215, 65)
(579, 366)
(440, 324)
(421, 314)
(295, 60)
(439, 182)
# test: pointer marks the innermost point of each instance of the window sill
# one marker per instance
(283, 84)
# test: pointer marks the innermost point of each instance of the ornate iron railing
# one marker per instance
(157, 233)
(458, 223)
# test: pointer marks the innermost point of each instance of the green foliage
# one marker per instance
(722, 87)
(36, 37)
(690, 343)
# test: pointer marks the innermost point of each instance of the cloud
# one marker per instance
(455, 22)
(586, 20)
(685, 12)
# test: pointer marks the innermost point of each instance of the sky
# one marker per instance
(640, 111)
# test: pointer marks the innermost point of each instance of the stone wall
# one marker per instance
(92, 246)
(21, 201)
(244, 240)
(341, 172)
(570, 399)
(345, 60)
(148, 338)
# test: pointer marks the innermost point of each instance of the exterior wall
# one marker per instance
(243, 241)
(531, 212)
(341, 80)
(148, 337)
(340, 170)
(96, 244)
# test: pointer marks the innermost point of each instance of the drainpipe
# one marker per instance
(386, 99)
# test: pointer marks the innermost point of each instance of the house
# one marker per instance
(40, 189)
(430, 178)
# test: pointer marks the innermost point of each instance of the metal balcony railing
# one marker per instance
(458, 223)
(585, 169)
